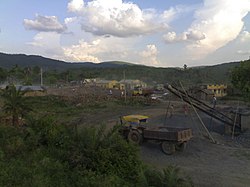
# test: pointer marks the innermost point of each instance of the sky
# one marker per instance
(160, 33)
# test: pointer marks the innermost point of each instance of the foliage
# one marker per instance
(68, 109)
(241, 78)
(3, 74)
(58, 72)
(47, 154)
(106, 152)
(135, 101)
(168, 177)
(171, 178)
(15, 104)
(185, 67)
(44, 153)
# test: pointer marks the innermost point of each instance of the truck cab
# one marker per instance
(137, 91)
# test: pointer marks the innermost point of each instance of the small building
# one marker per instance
(201, 93)
(131, 84)
(30, 90)
(207, 91)
(219, 90)
(33, 90)
(89, 81)
(108, 84)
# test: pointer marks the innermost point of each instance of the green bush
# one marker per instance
(170, 176)
(240, 78)
(44, 153)
(47, 154)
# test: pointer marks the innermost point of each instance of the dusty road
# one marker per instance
(206, 163)
(223, 164)
(226, 163)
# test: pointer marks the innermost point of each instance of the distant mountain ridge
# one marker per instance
(10, 60)
(114, 70)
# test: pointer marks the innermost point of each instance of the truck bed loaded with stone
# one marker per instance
(135, 129)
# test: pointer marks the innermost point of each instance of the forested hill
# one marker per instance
(8, 61)
(115, 70)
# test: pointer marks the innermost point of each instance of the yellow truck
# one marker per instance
(139, 91)
(135, 129)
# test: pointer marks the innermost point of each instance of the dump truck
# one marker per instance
(139, 91)
(135, 129)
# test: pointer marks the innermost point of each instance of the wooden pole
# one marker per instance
(166, 115)
(125, 90)
(41, 72)
(235, 118)
(209, 135)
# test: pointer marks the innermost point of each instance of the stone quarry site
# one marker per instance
(217, 158)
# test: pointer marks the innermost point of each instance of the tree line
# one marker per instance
(151, 75)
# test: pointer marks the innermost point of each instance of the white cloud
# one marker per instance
(83, 51)
(195, 35)
(101, 49)
(173, 12)
(243, 52)
(171, 37)
(245, 36)
(220, 21)
(75, 5)
(169, 14)
(118, 18)
(150, 55)
(97, 49)
(46, 39)
(46, 44)
(70, 20)
(192, 35)
(44, 24)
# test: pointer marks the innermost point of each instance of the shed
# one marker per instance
(33, 90)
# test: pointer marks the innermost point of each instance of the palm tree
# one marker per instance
(15, 104)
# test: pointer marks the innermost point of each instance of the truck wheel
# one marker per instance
(181, 146)
(135, 137)
(168, 147)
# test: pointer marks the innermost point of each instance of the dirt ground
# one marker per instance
(225, 163)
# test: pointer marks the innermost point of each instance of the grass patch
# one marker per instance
(65, 109)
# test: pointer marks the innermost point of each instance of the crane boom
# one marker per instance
(204, 107)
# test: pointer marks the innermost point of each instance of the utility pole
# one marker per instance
(41, 73)
(125, 91)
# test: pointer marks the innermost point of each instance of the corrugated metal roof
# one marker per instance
(31, 88)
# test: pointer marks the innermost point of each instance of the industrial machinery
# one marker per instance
(135, 129)
(139, 91)
(234, 122)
